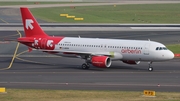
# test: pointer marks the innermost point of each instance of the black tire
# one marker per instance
(85, 66)
(150, 69)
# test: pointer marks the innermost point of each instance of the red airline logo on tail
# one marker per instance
(29, 24)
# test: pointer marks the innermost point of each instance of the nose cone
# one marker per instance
(164, 55)
(170, 55)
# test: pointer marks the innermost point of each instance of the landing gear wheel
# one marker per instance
(150, 68)
(85, 66)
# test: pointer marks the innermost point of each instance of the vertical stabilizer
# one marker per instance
(31, 26)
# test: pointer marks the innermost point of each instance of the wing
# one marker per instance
(84, 55)
(80, 52)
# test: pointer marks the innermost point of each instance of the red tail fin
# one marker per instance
(31, 26)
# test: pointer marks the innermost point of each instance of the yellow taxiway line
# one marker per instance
(21, 53)
(4, 21)
(14, 56)
(33, 61)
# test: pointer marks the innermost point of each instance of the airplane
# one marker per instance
(95, 51)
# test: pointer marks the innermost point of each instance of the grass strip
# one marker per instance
(77, 95)
(138, 13)
(35, 2)
(175, 48)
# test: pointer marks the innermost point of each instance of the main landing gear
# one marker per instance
(85, 66)
(150, 67)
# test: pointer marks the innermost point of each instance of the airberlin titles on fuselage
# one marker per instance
(131, 51)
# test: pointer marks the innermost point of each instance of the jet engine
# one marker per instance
(131, 62)
(101, 61)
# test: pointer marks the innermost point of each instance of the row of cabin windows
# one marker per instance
(124, 47)
(80, 45)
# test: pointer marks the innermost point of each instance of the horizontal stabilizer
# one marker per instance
(25, 39)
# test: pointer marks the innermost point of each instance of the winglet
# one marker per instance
(31, 26)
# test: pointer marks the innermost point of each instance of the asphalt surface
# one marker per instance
(43, 71)
(9, 15)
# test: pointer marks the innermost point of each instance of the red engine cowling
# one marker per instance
(101, 61)
(131, 62)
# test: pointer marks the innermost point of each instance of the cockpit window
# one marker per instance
(161, 48)
(157, 48)
(164, 48)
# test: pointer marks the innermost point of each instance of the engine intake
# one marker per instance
(101, 61)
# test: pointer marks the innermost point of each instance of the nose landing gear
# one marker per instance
(150, 67)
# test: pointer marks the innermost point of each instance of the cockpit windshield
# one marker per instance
(161, 48)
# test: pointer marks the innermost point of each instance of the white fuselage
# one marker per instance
(136, 50)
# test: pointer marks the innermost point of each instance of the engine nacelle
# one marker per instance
(101, 61)
(131, 62)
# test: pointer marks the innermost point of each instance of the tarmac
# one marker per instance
(37, 70)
